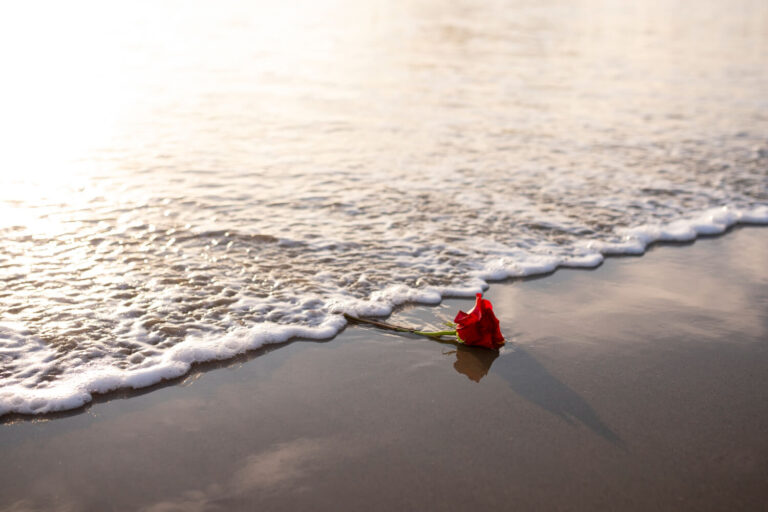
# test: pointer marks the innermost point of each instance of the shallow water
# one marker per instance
(188, 181)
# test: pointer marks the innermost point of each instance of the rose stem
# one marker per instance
(397, 328)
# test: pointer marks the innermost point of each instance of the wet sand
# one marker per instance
(641, 385)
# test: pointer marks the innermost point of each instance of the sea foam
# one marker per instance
(29, 354)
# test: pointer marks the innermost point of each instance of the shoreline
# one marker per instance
(639, 385)
(198, 367)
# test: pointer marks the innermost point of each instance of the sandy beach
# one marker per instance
(193, 195)
(640, 385)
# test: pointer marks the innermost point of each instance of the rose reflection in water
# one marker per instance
(473, 362)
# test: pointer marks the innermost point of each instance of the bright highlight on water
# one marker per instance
(187, 182)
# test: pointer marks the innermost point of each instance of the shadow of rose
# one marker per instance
(534, 382)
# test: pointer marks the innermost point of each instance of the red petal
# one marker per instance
(479, 327)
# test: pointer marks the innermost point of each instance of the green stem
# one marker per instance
(435, 334)
(383, 325)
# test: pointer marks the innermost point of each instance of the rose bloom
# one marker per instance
(479, 327)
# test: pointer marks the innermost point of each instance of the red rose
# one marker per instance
(480, 326)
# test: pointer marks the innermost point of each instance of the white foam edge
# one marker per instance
(177, 361)
(76, 391)
(590, 254)
(710, 222)
(634, 241)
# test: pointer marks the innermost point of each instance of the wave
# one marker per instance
(23, 352)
